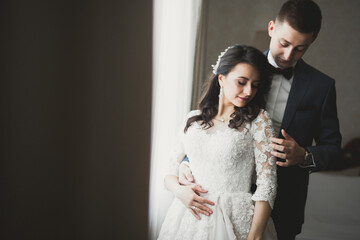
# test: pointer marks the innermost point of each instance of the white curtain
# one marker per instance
(175, 28)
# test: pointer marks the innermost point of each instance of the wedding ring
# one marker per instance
(193, 207)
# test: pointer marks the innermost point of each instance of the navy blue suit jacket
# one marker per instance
(310, 114)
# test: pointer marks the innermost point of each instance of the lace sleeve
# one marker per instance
(178, 152)
(266, 180)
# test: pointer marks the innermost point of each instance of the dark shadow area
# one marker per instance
(75, 119)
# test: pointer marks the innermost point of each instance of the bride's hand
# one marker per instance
(190, 197)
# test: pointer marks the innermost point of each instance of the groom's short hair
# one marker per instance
(302, 15)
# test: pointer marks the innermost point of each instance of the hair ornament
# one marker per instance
(216, 66)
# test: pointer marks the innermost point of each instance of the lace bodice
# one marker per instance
(223, 160)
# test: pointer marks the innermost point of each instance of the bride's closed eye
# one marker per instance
(242, 82)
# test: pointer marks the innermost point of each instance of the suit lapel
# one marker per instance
(297, 91)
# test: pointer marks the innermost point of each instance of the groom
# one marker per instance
(302, 105)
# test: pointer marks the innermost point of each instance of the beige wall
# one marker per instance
(75, 119)
(335, 52)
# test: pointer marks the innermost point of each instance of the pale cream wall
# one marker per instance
(335, 52)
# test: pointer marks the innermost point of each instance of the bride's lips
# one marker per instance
(243, 99)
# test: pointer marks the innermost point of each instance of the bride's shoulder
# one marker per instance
(263, 116)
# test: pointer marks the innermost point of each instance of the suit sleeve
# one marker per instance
(327, 136)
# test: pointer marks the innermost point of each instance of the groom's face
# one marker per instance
(287, 45)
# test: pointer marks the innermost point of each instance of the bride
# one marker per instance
(227, 142)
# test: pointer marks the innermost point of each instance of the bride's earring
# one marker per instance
(221, 92)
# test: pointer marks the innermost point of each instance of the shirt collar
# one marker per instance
(272, 61)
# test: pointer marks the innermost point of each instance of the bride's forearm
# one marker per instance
(172, 183)
(261, 216)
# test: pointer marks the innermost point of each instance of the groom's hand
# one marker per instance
(287, 149)
(185, 175)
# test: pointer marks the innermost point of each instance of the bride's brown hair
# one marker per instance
(210, 99)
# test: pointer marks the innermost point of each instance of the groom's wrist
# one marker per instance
(308, 160)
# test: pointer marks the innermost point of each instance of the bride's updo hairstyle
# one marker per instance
(227, 60)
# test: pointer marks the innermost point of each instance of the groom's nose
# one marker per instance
(287, 53)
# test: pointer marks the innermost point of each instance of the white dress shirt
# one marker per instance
(278, 96)
(277, 99)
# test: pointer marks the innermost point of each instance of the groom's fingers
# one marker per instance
(189, 176)
(278, 140)
(278, 154)
(183, 180)
(283, 164)
(286, 135)
(185, 176)
(280, 148)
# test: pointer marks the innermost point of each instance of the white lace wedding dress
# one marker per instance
(223, 161)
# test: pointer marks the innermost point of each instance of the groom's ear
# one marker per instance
(271, 28)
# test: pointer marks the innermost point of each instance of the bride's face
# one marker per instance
(240, 85)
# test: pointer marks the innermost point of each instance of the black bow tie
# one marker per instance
(286, 72)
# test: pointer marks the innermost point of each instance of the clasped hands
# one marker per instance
(189, 192)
